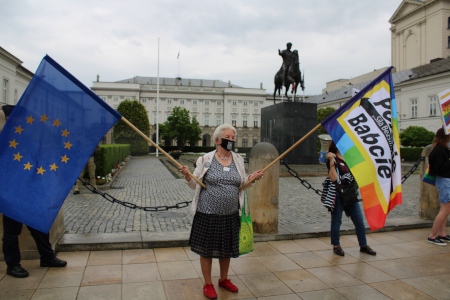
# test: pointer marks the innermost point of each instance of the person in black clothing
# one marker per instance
(439, 160)
(11, 232)
(336, 160)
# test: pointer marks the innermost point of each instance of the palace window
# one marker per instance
(218, 120)
(5, 90)
(413, 108)
(433, 105)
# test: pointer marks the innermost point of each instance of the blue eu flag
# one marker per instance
(47, 140)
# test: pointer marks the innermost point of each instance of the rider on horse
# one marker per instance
(286, 55)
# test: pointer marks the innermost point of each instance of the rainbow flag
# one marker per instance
(365, 130)
(444, 104)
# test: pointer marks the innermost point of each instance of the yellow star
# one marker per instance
(30, 120)
(40, 170)
(67, 145)
(18, 129)
(44, 118)
(17, 156)
(13, 144)
(65, 133)
(56, 123)
(53, 167)
(27, 166)
(64, 159)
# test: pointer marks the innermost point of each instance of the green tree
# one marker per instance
(416, 136)
(178, 127)
(135, 112)
(322, 114)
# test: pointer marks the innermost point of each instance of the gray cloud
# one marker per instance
(225, 40)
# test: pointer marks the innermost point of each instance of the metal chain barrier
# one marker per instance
(179, 205)
(319, 192)
(111, 199)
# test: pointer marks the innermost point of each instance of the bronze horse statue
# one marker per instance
(294, 77)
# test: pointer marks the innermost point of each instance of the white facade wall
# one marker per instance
(415, 101)
(419, 33)
(13, 78)
(211, 106)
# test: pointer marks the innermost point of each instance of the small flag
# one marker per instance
(444, 104)
(46, 142)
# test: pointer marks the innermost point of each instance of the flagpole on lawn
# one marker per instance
(160, 149)
(285, 153)
(157, 105)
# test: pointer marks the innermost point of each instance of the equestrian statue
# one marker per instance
(289, 73)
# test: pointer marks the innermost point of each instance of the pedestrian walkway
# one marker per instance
(405, 267)
(114, 252)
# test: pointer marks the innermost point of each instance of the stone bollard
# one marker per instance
(263, 195)
(27, 246)
(429, 197)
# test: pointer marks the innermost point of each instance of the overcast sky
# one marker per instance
(224, 40)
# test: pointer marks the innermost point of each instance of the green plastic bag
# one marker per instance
(246, 231)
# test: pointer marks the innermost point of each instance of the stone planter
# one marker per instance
(175, 155)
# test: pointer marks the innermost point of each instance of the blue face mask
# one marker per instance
(227, 144)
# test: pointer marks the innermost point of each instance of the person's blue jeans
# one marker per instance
(357, 218)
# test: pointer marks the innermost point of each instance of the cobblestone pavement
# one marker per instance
(148, 182)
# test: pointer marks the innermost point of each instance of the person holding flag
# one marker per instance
(11, 232)
(334, 163)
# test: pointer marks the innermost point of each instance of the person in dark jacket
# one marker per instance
(11, 232)
(439, 160)
(336, 160)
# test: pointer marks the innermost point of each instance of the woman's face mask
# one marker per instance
(227, 144)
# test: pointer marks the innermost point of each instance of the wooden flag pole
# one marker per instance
(159, 148)
(285, 153)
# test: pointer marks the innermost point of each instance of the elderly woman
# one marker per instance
(215, 227)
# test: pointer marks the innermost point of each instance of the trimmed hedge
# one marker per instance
(411, 154)
(197, 149)
(109, 157)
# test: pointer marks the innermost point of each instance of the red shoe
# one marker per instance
(209, 291)
(226, 284)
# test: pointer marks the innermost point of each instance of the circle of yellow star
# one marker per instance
(40, 170)
(27, 166)
(53, 167)
(30, 120)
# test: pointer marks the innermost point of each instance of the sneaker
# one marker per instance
(338, 251)
(209, 291)
(76, 192)
(436, 241)
(444, 238)
(226, 284)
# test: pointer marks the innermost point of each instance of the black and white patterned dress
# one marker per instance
(215, 227)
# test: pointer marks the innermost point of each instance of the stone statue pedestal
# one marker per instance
(429, 197)
(263, 195)
(284, 124)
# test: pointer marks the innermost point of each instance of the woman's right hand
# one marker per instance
(330, 155)
(185, 171)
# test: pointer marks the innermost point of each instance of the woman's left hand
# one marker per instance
(257, 175)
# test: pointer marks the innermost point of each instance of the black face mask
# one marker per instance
(227, 144)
